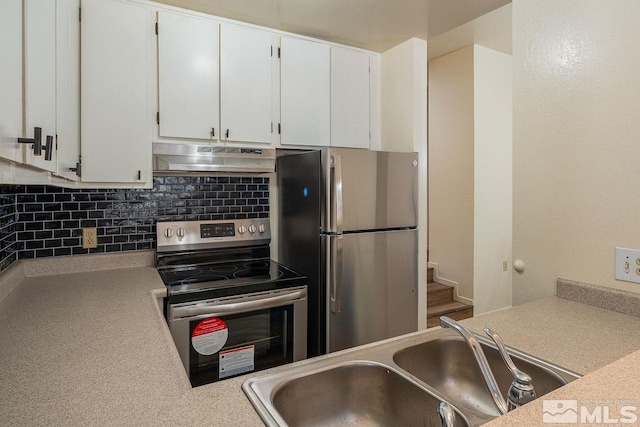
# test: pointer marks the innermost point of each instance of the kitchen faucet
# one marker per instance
(521, 390)
(447, 416)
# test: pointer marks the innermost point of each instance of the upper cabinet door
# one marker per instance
(116, 63)
(188, 76)
(40, 77)
(68, 87)
(349, 98)
(11, 79)
(245, 84)
(305, 87)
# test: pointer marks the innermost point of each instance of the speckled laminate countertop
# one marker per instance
(91, 348)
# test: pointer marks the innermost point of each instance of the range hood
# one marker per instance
(194, 158)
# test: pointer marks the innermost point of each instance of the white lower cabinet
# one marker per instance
(117, 63)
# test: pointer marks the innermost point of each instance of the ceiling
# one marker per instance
(376, 25)
(492, 30)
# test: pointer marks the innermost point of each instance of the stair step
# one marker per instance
(450, 307)
(437, 287)
(438, 294)
(455, 310)
(429, 274)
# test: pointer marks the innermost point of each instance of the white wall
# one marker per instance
(404, 128)
(470, 150)
(404, 86)
(492, 241)
(451, 168)
(576, 141)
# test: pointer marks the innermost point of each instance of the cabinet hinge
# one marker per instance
(158, 117)
(279, 129)
(278, 52)
(80, 14)
(156, 28)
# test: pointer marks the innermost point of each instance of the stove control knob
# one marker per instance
(168, 233)
(252, 229)
(262, 228)
(242, 229)
(180, 233)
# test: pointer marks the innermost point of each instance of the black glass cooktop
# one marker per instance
(212, 280)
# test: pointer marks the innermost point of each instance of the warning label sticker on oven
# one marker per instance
(209, 336)
(236, 361)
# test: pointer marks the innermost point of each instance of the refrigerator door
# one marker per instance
(369, 190)
(372, 287)
(300, 207)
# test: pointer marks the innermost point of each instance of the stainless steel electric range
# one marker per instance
(229, 307)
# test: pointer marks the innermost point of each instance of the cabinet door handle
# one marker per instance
(213, 132)
(227, 134)
(77, 169)
(48, 148)
(36, 141)
(139, 175)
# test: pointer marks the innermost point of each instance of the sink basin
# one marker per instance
(447, 364)
(398, 382)
(353, 393)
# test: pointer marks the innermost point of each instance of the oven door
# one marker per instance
(226, 337)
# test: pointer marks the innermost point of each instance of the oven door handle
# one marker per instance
(237, 307)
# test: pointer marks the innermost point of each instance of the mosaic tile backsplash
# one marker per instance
(7, 226)
(42, 221)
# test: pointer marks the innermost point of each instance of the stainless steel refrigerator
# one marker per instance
(348, 221)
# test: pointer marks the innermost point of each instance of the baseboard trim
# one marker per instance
(439, 279)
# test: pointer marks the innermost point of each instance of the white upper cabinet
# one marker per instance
(67, 87)
(246, 58)
(40, 79)
(187, 76)
(305, 89)
(117, 63)
(11, 79)
(349, 98)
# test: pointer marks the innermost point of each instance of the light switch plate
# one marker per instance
(627, 265)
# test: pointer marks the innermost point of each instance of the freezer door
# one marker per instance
(370, 190)
(372, 287)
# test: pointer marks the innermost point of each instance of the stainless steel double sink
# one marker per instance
(395, 383)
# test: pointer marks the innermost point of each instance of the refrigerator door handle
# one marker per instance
(336, 273)
(336, 164)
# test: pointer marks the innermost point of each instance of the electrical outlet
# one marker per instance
(89, 238)
(626, 263)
